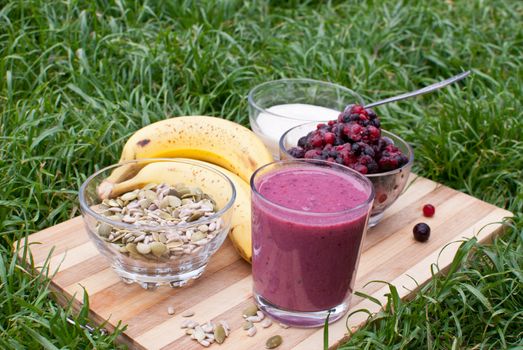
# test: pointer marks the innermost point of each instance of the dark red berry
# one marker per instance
(357, 109)
(362, 169)
(387, 164)
(374, 133)
(382, 197)
(317, 141)
(312, 154)
(302, 142)
(297, 152)
(421, 232)
(353, 139)
(330, 138)
(429, 210)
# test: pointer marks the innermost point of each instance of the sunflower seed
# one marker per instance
(253, 319)
(188, 313)
(266, 323)
(204, 343)
(199, 334)
(207, 328)
(251, 332)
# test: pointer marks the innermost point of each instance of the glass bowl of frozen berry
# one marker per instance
(355, 139)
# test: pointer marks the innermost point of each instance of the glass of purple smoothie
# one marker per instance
(309, 218)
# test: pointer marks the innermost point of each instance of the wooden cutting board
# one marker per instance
(389, 254)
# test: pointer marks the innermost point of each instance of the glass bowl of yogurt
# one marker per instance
(387, 185)
(278, 105)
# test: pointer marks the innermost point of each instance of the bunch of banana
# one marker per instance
(224, 145)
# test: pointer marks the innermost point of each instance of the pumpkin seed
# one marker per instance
(174, 201)
(195, 216)
(145, 203)
(104, 229)
(226, 327)
(150, 195)
(251, 310)
(158, 248)
(219, 334)
(164, 203)
(131, 248)
(113, 203)
(198, 235)
(247, 325)
(129, 196)
(273, 342)
(143, 248)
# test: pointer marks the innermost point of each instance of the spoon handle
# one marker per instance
(424, 90)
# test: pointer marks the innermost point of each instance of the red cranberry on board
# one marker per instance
(429, 210)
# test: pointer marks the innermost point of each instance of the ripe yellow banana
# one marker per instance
(211, 183)
(214, 140)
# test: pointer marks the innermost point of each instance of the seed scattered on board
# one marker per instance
(273, 342)
(188, 313)
(170, 310)
(207, 333)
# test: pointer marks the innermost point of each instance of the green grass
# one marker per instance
(78, 77)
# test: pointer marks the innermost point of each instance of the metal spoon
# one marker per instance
(422, 91)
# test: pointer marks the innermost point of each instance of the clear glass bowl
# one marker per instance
(387, 186)
(173, 267)
(278, 105)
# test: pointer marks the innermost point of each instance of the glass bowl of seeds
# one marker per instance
(158, 221)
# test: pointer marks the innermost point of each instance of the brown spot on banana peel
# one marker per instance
(143, 143)
(252, 163)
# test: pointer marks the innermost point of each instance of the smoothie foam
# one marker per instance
(307, 236)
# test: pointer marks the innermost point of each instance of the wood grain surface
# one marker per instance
(389, 254)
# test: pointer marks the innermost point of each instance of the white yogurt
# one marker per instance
(271, 127)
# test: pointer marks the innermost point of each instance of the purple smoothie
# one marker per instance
(308, 227)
